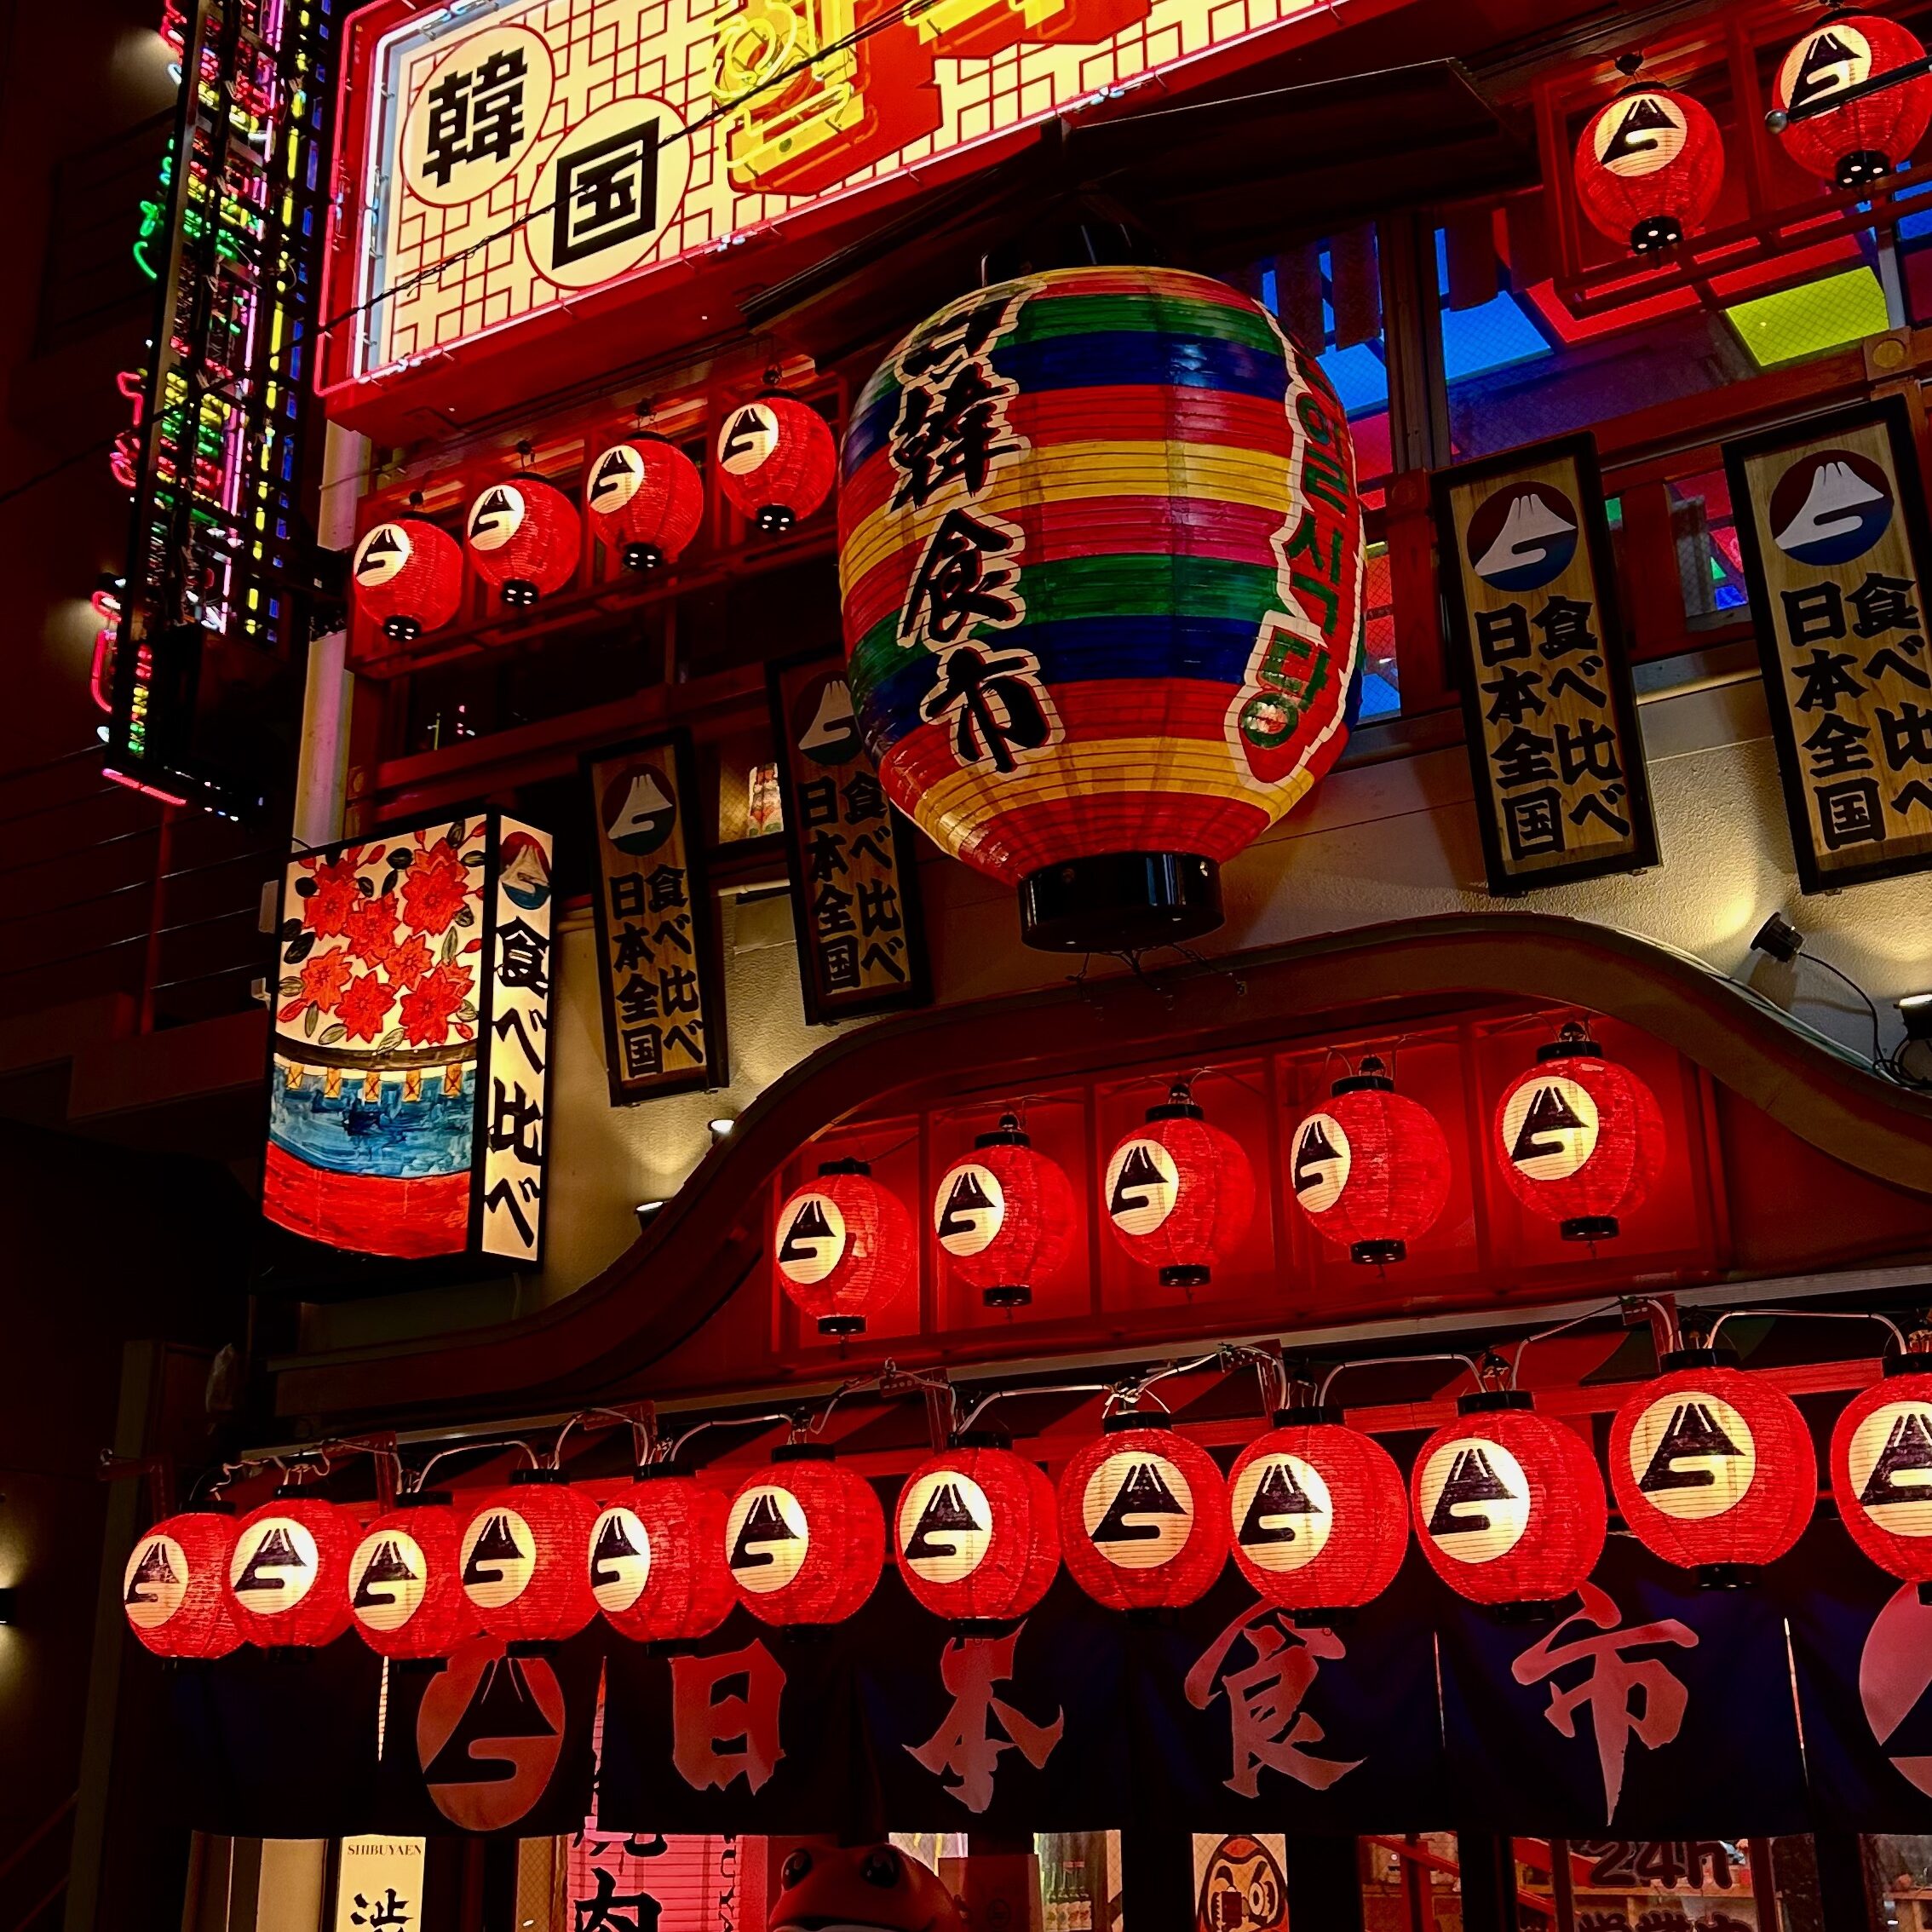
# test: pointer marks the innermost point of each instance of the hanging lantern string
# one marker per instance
(1388, 1361)
(1034, 1388)
(642, 1442)
(1130, 1391)
(1575, 1321)
(465, 1448)
(816, 1426)
(1820, 1315)
(727, 1422)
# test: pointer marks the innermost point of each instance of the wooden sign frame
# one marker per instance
(1507, 877)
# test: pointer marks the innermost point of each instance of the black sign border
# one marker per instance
(1581, 450)
(1893, 414)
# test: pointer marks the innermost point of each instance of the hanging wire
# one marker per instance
(466, 1448)
(727, 1422)
(1388, 1361)
(1034, 1388)
(1815, 1314)
(641, 1440)
(1575, 1321)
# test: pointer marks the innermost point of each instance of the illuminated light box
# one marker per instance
(409, 1041)
(547, 148)
(1812, 318)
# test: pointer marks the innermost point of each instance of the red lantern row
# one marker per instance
(1650, 164)
(1713, 1469)
(645, 501)
(1580, 1140)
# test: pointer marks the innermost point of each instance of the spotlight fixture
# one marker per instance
(1915, 1010)
(8, 1599)
(646, 1212)
(1778, 939)
(722, 1125)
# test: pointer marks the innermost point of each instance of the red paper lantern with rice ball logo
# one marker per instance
(804, 1540)
(1882, 1470)
(646, 501)
(977, 1531)
(175, 1588)
(1143, 1516)
(524, 539)
(1372, 1169)
(1866, 140)
(405, 1582)
(288, 1573)
(776, 460)
(1180, 1193)
(1649, 167)
(656, 1556)
(407, 576)
(523, 1559)
(1005, 1215)
(843, 1246)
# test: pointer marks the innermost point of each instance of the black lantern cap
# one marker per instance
(802, 1453)
(1494, 1401)
(521, 1478)
(1304, 1415)
(1573, 1043)
(1120, 902)
(1123, 1419)
(1179, 1105)
(846, 1166)
(425, 1500)
(1677, 1358)
(1372, 1077)
(1008, 1134)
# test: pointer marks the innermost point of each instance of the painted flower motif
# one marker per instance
(335, 898)
(428, 1008)
(364, 1008)
(323, 976)
(371, 929)
(408, 961)
(434, 891)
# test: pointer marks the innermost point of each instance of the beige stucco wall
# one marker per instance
(1377, 841)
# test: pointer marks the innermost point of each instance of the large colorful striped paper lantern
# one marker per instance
(175, 1589)
(1101, 551)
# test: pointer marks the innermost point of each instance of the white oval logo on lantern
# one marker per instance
(1691, 1455)
(616, 477)
(495, 516)
(1890, 1460)
(1142, 1185)
(1829, 61)
(1549, 1128)
(945, 1526)
(1641, 136)
(1476, 1500)
(388, 1577)
(274, 1566)
(766, 1538)
(748, 438)
(1137, 1509)
(381, 556)
(1322, 1159)
(1281, 1512)
(155, 1581)
(499, 1554)
(811, 1239)
(971, 1210)
(620, 1559)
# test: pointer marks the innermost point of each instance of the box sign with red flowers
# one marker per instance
(412, 1011)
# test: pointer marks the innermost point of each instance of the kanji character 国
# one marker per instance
(1849, 812)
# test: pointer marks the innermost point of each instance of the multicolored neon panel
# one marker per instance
(571, 142)
(411, 1035)
(214, 463)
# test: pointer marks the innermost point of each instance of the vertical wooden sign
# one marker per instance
(1831, 518)
(854, 861)
(657, 929)
(1537, 639)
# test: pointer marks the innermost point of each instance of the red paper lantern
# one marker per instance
(1882, 1468)
(1318, 1514)
(1143, 1516)
(776, 460)
(175, 1589)
(407, 576)
(1005, 1216)
(524, 538)
(976, 1531)
(288, 1573)
(1713, 1469)
(405, 1591)
(843, 1246)
(1580, 1138)
(1649, 167)
(1180, 1193)
(645, 500)
(524, 1558)
(1866, 140)
(805, 1539)
(1372, 1169)
(1509, 1507)
(658, 1568)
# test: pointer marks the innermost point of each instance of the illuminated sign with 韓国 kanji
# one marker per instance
(501, 159)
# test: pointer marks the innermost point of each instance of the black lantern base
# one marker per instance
(774, 519)
(518, 593)
(1727, 1576)
(841, 1325)
(1862, 166)
(642, 556)
(1654, 231)
(1014, 1296)
(1191, 1276)
(1590, 1227)
(401, 630)
(1378, 1254)
(1120, 902)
